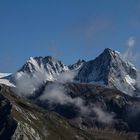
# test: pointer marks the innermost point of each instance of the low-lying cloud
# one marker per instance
(56, 93)
(103, 116)
(26, 84)
(67, 76)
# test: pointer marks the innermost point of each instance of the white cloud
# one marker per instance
(55, 93)
(67, 76)
(129, 54)
(26, 85)
(103, 116)
(131, 42)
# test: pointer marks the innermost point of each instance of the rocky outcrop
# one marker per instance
(7, 123)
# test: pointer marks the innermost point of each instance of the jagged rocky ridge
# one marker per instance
(109, 69)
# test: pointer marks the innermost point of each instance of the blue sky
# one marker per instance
(67, 29)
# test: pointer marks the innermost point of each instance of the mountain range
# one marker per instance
(88, 100)
(109, 69)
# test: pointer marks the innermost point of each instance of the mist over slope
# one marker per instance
(91, 106)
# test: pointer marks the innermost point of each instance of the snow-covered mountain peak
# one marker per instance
(112, 54)
(40, 63)
(48, 67)
(44, 60)
(110, 69)
(117, 56)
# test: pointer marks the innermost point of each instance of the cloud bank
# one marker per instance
(56, 93)
(26, 84)
(67, 76)
(103, 116)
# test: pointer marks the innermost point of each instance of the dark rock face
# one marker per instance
(50, 125)
(7, 123)
(96, 70)
(122, 110)
(31, 122)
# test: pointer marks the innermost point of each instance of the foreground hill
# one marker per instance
(30, 122)
(22, 120)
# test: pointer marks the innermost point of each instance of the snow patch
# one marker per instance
(129, 80)
(4, 80)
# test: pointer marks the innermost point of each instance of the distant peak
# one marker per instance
(81, 61)
(50, 58)
(111, 52)
(30, 59)
(46, 58)
(108, 50)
